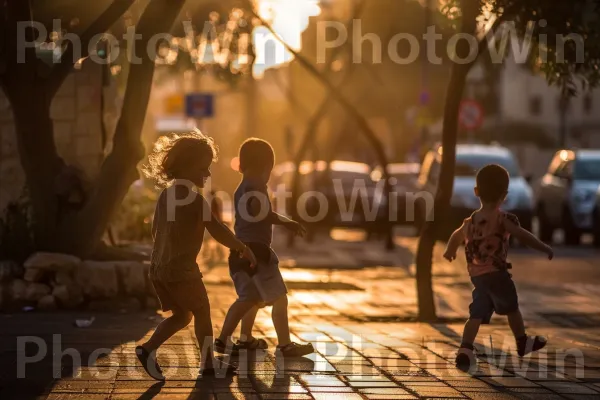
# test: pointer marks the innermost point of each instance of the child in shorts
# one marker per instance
(180, 164)
(486, 234)
(263, 285)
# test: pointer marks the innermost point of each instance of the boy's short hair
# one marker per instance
(256, 154)
(492, 183)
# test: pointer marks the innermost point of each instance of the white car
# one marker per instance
(469, 159)
(566, 196)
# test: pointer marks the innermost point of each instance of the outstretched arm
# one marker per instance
(278, 219)
(289, 224)
(457, 238)
(527, 238)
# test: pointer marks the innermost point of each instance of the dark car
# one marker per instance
(334, 194)
(403, 180)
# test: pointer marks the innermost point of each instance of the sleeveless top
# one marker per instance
(487, 242)
(178, 233)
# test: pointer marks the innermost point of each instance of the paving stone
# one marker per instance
(510, 382)
(569, 388)
(330, 389)
(386, 391)
(339, 396)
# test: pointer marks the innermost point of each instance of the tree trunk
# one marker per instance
(83, 231)
(424, 257)
(40, 161)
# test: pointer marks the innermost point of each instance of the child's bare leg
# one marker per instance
(470, 332)
(248, 324)
(236, 312)
(204, 335)
(517, 326)
(166, 329)
(280, 320)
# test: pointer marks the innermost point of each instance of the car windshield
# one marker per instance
(587, 169)
(467, 165)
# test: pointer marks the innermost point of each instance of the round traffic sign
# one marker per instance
(470, 115)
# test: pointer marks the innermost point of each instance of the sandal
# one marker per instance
(253, 344)
(230, 348)
(295, 350)
(148, 361)
(529, 344)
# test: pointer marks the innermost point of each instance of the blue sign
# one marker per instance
(199, 105)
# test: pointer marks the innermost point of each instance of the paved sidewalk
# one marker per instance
(359, 322)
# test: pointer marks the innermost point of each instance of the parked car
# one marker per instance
(469, 159)
(403, 177)
(338, 182)
(566, 195)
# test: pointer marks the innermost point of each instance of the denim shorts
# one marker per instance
(494, 292)
(261, 285)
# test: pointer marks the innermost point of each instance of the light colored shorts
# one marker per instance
(262, 285)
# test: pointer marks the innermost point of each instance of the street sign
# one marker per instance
(199, 105)
(174, 104)
(470, 115)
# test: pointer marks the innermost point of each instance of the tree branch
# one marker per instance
(104, 21)
(335, 93)
(484, 44)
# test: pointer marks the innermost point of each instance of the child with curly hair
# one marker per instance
(180, 164)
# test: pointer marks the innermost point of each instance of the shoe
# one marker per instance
(253, 344)
(219, 369)
(465, 359)
(295, 350)
(529, 344)
(148, 361)
(226, 348)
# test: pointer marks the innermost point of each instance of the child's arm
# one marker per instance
(527, 238)
(454, 243)
(277, 219)
(223, 234)
(282, 220)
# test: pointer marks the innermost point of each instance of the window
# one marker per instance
(588, 104)
(535, 105)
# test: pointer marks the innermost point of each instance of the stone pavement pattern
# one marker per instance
(359, 322)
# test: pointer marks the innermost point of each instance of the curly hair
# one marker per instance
(173, 153)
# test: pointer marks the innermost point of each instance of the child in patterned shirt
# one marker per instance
(486, 235)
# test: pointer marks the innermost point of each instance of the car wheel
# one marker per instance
(572, 233)
(546, 230)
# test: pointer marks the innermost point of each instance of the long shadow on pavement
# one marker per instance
(41, 352)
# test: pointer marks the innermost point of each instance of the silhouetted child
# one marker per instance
(254, 220)
(180, 164)
(486, 235)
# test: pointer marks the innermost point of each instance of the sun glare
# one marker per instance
(289, 18)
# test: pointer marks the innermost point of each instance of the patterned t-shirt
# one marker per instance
(487, 242)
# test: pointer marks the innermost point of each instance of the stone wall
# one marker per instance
(77, 114)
